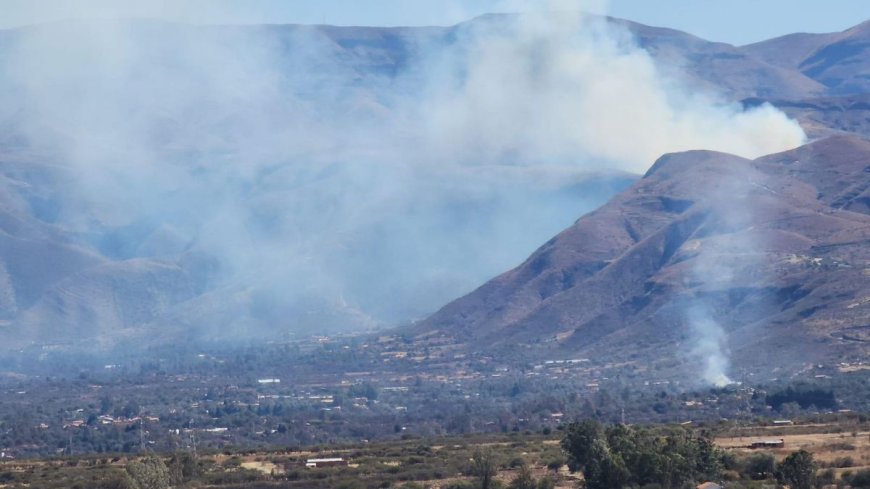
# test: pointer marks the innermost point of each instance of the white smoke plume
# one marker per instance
(560, 86)
(724, 255)
(378, 179)
(709, 346)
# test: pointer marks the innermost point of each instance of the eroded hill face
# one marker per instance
(758, 264)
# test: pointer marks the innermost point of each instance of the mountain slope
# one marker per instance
(720, 67)
(74, 268)
(776, 251)
(839, 61)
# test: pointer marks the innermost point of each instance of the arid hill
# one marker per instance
(774, 251)
(68, 273)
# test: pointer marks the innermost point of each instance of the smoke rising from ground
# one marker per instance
(709, 346)
(345, 178)
(726, 256)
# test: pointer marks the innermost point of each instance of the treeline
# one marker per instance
(664, 457)
(803, 395)
(620, 456)
(612, 457)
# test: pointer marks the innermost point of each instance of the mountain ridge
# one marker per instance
(607, 282)
(96, 279)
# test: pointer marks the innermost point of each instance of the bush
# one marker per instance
(116, 482)
(797, 470)
(840, 447)
(516, 462)
(825, 477)
(411, 485)
(523, 479)
(458, 485)
(758, 466)
(842, 462)
(861, 479)
(150, 473)
(546, 482)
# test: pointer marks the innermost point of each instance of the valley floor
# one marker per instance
(439, 462)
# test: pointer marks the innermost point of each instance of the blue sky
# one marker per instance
(734, 21)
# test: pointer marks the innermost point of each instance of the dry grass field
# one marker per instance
(437, 463)
(830, 444)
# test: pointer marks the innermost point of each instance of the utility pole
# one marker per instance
(193, 438)
(141, 432)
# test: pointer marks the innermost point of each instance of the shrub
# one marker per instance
(758, 466)
(861, 479)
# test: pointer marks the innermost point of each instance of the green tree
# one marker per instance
(182, 468)
(621, 455)
(484, 467)
(860, 479)
(605, 469)
(708, 464)
(149, 473)
(798, 470)
(759, 466)
(578, 441)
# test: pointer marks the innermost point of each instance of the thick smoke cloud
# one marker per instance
(338, 181)
(555, 86)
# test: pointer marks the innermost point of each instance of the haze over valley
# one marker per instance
(227, 182)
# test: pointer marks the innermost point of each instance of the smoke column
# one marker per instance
(709, 346)
(724, 255)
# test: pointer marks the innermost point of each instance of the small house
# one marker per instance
(316, 463)
(777, 443)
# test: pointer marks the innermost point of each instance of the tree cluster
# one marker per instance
(619, 456)
(797, 471)
(803, 395)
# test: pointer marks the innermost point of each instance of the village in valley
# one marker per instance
(338, 403)
(358, 388)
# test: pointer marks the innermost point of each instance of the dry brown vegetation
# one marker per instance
(437, 463)
(842, 447)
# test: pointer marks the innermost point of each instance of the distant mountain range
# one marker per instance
(623, 275)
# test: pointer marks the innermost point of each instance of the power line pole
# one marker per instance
(193, 438)
(141, 432)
